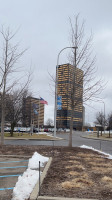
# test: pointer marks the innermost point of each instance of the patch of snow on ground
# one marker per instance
(41, 133)
(34, 161)
(25, 184)
(44, 133)
(27, 181)
(109, 156)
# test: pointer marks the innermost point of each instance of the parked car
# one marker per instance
(67, 130)
(45, 129)
(7, 129)
(60, 129)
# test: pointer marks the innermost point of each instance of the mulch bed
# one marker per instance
(74, 172)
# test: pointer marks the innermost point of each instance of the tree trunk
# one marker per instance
(2, 123)
(98, 133)
(71, 127)
(12, 128)
(3, 113)
(109, 132)
(101, 132)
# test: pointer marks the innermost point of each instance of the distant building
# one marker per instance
(64, 87)
(33, 112)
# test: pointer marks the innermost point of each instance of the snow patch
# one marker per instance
(34, 161)
(27, 181)
(25, 184)
(42, 133)
(109, 156)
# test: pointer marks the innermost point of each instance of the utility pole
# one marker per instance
(38, 115)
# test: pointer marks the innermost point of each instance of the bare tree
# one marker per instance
(82, 59)
(100, 120)
(49, 122)
(8, 60)
(83, 85)
(109, 122)
(14, 107)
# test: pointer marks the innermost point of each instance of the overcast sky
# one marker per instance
(44, 29)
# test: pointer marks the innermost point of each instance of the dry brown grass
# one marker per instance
(88, 159)
(107, 180)
(74, 173)
(89, 156)
(75, 166)
(100, 164)
(82, 175)
(74, 161)
(99, 159)
(81, 179)
(67, 185)
(79, 166)
(73, 157)
(95, 159)
(102, 170)
(77, 183)
(85, 155)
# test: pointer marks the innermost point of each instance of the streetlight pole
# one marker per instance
(104, 113)
(56, 83)
(104, 116)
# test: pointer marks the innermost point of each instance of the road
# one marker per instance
(77, 140)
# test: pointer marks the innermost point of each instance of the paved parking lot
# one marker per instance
(10, 169)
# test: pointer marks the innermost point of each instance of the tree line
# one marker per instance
(104, 122)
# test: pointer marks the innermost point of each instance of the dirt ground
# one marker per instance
(74, 172)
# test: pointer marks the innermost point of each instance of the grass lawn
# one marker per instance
(104, 136)
(28, 136)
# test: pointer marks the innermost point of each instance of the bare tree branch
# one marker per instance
(10, 55)
(84, 61)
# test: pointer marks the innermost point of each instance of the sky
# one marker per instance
(43, 27)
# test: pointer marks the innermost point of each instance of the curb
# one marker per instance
(36, 139)
(60, 198)
(35, 192)
(96, 138)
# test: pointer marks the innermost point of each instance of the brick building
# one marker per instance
(64, 87)
(33, 112)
